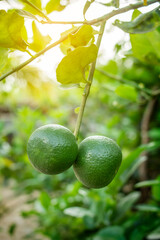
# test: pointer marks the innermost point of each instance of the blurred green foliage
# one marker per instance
(121, 91)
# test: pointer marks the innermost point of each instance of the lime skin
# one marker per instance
(97, 162)
(52, 149)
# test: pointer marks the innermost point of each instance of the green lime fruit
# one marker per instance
(97, 162)
(52, 149)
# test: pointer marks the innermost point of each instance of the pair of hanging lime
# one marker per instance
(52, 149)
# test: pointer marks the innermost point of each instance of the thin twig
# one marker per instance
(129, 82)
(38, 10)
(88, 85)
(145, 124)
(64, 22)
(106, 16)
(36, 56)
(121, 10)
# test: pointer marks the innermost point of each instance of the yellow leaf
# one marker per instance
(39, 41)
(82, 36)
(72, 67)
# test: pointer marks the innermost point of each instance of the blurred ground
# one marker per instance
(10, 212)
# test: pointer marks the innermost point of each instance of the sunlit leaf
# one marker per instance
(146, 47)
(24, 34)
(114, 3)
(86, 6)
(77, 212)
(127, 92)
(72, 67)
(142, 24)
(26, 14)
(111, 67)
(66, 46)
(3, 58)
(54, 5)
(11, 25)
(39, 41)
(29, 8)
(82, 36)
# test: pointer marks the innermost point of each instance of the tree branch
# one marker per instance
(88, 85)
(106, 16)
(129, 82)
(121, 10)
(38, 10)
(64, 22)
(145, 122)
(36, 55)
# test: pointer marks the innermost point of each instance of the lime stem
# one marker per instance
(88, 85)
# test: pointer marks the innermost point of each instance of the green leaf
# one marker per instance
(39, 41)
(125, 204)
(111, 67)
(114, 3)
(135, 14)
(127, 92)
(82, 36)
(12, 229)
(146, 47)
(131, 169)
(11, 25)
(147, 183)
(78, 212)
(142, 24)
(72, 67)
(129, 165)
(154, 235)
(54, 5)
(110, 233)
(156, 190)
(45, 200)
(148, 208)
(154, 133)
